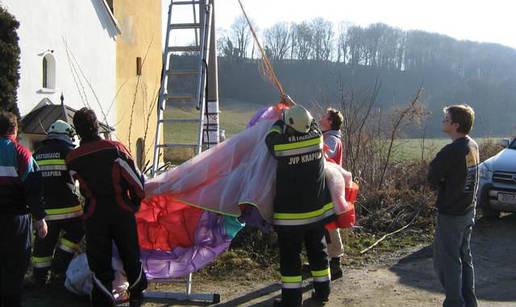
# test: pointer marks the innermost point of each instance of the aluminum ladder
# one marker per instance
(187, 112)
(182, 117)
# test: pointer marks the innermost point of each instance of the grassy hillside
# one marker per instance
(236, 114)
(233, 118)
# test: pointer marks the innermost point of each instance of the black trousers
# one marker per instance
(44, 258)
(15, 242)
(105, 226)
(291, 240)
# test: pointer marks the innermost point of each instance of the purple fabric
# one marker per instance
(212, 237)
(252, 217)
(210, 241)
(257, 116)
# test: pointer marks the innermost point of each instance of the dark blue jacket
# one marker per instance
(20, 184)
(59, 198)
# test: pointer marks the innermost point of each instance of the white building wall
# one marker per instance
(81, 37)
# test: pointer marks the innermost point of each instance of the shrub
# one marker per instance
(10, 63)
(488, 148)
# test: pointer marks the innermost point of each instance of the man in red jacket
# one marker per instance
(113, 188)
(331, 123)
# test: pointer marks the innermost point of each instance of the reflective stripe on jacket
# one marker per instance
(302, 197)
(60, 200)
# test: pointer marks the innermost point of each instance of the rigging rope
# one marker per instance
(266, 66)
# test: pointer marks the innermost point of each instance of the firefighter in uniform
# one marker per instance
(61, 205)
(302, 205)
(113, 188)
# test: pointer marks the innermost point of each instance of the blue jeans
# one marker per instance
(453, 262)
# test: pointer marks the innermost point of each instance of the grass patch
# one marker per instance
(417, 149)
(358, 240)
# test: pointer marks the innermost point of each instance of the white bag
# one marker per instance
(78, 277)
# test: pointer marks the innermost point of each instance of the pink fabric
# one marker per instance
(238, 170)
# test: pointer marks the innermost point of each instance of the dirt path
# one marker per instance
(410, 280)
(403, 280)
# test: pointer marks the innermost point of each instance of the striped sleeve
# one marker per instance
(130, 171)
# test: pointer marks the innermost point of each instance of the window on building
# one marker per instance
(138, 66)
(49, 72)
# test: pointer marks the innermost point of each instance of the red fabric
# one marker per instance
(164, 222)
(352, 192)
(280, 106)
(348, 218)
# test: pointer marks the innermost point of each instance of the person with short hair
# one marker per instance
(113, 188)
(331, 123)
(454, 173)
(19, 194)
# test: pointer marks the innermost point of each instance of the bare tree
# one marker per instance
(303, 42)
(278, 40)
(240, 37)
(412, 113)
(354, 45)
(226, 48)
(341, 46)
(322, 39)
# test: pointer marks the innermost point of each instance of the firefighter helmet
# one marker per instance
(61, 127)
(298, 118)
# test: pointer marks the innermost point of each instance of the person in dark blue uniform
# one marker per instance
(302, 204)
(61, 205)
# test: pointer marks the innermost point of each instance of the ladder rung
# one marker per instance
(179, 97)
(183, 48)
(184, 120)
(185, 26)
(186, 2)
(182, 72)
(177, 145)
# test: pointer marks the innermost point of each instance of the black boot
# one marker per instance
(335, 269)
(40, 278)
(136, 290)
(315, 298)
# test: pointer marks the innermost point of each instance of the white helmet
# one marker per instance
(298, 118)
(61, 127)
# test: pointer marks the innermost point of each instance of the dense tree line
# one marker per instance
(314, 60)
(377, 45)
(9, 61)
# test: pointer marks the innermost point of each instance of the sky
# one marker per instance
(478, 20)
